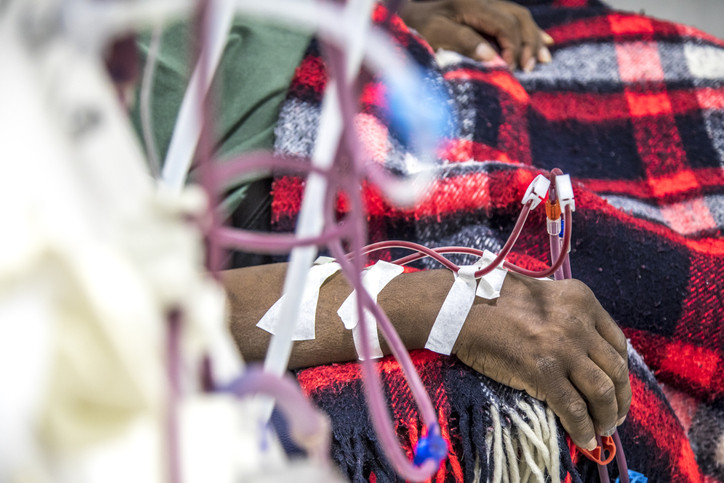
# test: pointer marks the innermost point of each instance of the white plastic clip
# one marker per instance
(564, 189)
(536, 191)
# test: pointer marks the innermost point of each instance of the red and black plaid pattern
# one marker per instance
(656, 444)
(633, 109)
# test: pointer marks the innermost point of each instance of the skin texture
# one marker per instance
(551, 339)
(469, 26)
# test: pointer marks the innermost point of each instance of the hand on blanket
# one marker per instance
(462, 25)
(556, 342)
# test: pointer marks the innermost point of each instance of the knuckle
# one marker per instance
(523, 14)
(605, 392)
(547, 366)
(620, 371)
(579, 290)
(577, 412)
(621, 345)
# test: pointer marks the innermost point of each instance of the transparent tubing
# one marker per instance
(352, 268)
(554, 239)
(565, 273)
(435, 252)
(188, 126)
(309, 222)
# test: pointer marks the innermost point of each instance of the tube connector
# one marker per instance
(553, 215)
(553, 226)
(431, 447)
(536, 191)
(564, 189)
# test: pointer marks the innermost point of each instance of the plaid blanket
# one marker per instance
(633, 109)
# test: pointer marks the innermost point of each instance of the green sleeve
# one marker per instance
(249, 86)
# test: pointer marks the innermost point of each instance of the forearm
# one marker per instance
(411, 301)
(551, 339)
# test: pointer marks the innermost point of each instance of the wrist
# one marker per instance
(412, 302)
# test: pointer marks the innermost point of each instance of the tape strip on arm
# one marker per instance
(323, 268)
(459, 301)
(453, 312)
(490, 284)
(374, 279)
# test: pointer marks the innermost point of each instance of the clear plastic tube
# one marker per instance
(187, 131)
(372, 387)
(146, 94)
(273, 244)
(352, 268)
(436, 252)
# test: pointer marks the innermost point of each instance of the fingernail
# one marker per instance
(544, 55)
(547, 39)
(591, 445)
(608, 432)
(530, 65)
(484, 52)
(620, 421)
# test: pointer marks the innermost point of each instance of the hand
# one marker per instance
(460, 25)
(556, 342)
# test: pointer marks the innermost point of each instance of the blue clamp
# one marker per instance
(635, 477)
(433, 447)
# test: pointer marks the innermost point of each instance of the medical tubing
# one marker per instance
(447, 263)
(435, 253)
(602, 469)
(559, 261)
(567, 266)
(372, 384)
(352, 268)
(620, 459)
(439, 250)
(508, 244)
(173, 373)
(205, 148)
(553, 238)
(555, 243)
(425, 251)
(276, 244)
(396, 346)
(227, 172)
(145, 107)
(188, 129)
(304, 421)
(620, 456)
(309, 222)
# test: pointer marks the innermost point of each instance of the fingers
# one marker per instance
(599, 391)
(463, 39)
(458, 24)
(530, 36)
(497, 20)
(609, 360)
(572, 410)
(521, 42)
(612, 334)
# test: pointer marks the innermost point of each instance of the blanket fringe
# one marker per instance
(522, 445)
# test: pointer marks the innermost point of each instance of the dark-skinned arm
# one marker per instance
(551, 339)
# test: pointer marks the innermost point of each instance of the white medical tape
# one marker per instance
(454, 311)
(323, 268)
(374, 279)
(490, 284)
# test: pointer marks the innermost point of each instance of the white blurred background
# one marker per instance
(706, 15)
